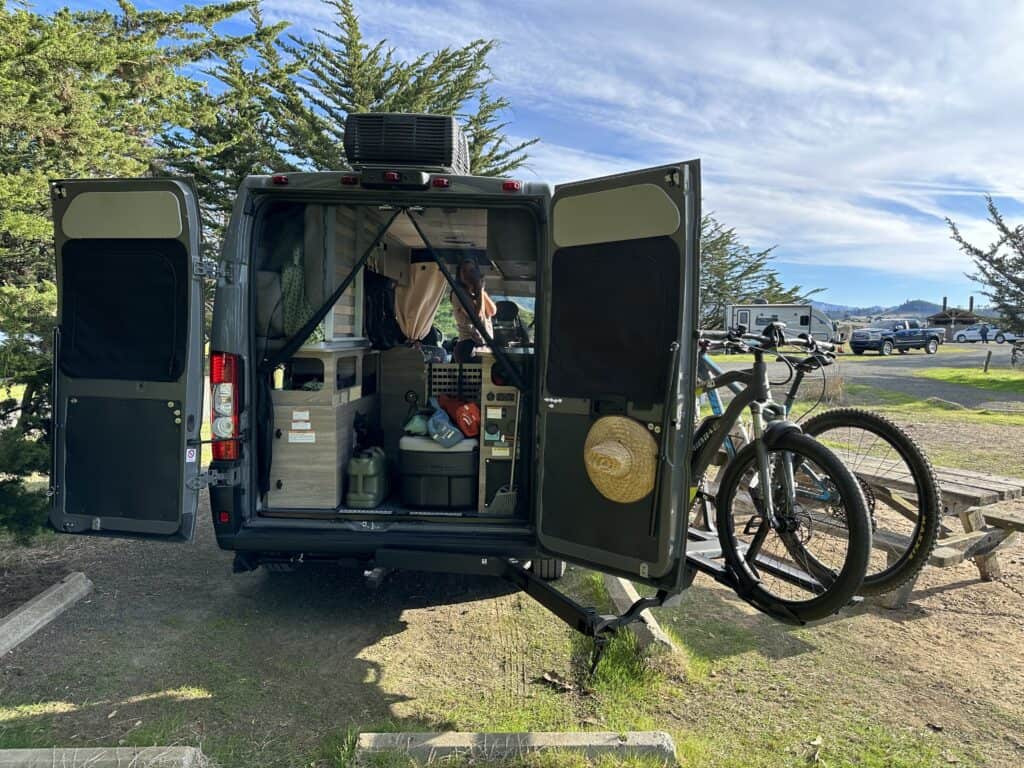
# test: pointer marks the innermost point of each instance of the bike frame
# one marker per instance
(707, 368)
(752, 391)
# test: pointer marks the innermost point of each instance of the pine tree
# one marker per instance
(345, 74)
(236, 130)
(999, 267)
(82, 94)
(733, 273)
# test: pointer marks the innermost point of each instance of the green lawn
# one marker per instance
(13, 392)
(1000, 380)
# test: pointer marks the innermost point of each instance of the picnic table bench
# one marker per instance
(965, 495)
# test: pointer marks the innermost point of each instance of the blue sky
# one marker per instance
(842, 133)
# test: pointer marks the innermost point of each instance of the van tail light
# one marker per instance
(224, 405)
(511, 185)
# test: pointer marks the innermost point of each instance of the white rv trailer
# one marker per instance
(799, 318)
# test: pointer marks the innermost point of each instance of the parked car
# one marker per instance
(973, 333)
(899, 334)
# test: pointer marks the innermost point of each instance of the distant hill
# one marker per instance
(911, 308)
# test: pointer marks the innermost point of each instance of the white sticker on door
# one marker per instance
(191, 454)
(302, 437)
(301, 425)
(300, 415)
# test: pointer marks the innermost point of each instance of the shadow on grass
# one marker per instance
(261, 671)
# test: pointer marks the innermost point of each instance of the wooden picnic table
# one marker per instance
(965, 495)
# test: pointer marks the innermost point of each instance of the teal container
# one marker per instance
(367, 479)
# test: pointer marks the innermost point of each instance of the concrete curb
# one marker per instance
(424, 747)
(104, 757)
(647, 630)
(26, 620)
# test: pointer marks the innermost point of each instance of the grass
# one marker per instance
(738, 695)
(12, 392)
(1000, 380)
(898, 403)
(554, 759)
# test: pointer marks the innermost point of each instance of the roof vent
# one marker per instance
(433, 142)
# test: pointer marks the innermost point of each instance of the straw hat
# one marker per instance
(621, 457)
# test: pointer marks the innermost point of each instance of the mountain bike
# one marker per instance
(899, 484)
(790, 518)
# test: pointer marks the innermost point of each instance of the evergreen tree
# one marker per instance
(999, 267)
(81, 94)
(344, 74)
(733, 273)
(236, 132)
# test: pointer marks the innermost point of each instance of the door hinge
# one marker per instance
(212, 270)
(214, 477)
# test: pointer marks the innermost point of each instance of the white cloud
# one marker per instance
(842, 132)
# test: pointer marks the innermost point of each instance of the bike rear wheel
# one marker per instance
(810, 561)
(901, 490)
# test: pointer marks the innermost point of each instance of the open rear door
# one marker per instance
(128, 373)
(617, 354)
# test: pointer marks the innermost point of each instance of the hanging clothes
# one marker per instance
(417, 303)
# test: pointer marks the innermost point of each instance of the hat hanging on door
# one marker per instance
(621, 458)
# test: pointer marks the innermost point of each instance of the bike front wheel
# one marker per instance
(807, 559)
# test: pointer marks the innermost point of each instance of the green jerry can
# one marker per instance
(367, 479)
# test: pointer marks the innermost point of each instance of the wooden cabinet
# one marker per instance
(314, 432)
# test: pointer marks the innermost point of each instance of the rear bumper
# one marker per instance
(364, 545)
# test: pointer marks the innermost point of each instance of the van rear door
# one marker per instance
(618, 320)
(128, 372)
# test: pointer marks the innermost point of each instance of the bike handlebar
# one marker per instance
(773, 337)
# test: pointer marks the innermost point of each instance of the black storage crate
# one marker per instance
(438, 479)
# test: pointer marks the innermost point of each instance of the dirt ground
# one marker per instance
(21, 581)
(276, 668)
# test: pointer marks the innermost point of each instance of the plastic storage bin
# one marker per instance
(438, 477)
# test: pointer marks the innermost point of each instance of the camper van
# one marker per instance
(799, 318)
(317, 402)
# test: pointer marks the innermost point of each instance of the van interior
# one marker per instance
(371, 416)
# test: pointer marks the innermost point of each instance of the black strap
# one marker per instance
(467, 304)
(292, 345)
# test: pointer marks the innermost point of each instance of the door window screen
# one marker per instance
(614, 315)
(124, 309)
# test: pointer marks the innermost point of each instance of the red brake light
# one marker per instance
(440, 182)
(511, 186)
(280, 179)
(393, 176)
(349, 180)
(224, 405)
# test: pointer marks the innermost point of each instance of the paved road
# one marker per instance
(896, 373)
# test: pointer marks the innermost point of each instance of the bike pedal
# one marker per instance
(752, 525)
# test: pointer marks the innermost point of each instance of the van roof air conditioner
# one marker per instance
(430, 142)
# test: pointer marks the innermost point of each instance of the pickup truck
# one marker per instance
(899, 334)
